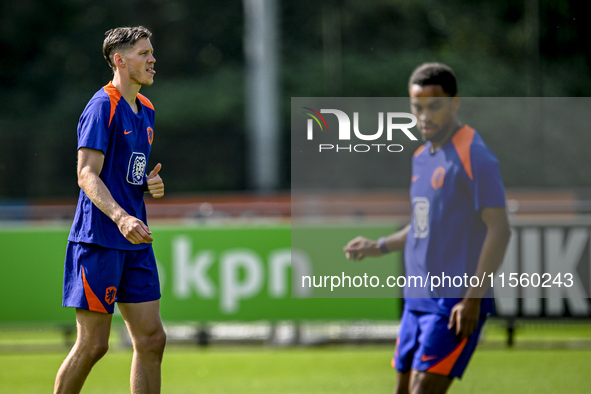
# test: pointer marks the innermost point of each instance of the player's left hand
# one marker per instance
(464, 317)
(155, 184)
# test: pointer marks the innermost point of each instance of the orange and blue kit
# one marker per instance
(96, 277)
(450, 187)
(426, 344)
(101, 265)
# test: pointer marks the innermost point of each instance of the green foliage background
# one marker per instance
(52, 64)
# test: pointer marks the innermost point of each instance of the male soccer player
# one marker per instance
(109, 255)
(459, 226)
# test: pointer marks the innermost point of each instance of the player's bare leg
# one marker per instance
(402, 383)
(145, 327)
(91, 345)
(428, 383)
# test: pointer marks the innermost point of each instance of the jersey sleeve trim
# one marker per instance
(462, 141)
(144, 100)
(114, 97)
(419, 150)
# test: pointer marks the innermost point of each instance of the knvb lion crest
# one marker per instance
(137, 169)
(110, 295)
(420, 217)
(437, 178)
(150, 135)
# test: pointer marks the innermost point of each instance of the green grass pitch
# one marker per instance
(344, 369)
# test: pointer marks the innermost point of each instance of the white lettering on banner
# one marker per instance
(232, 287)
(564, 256)
(531, 260)
(279, 263)
(191, 272)
(161, 276)
(241, 273)
(563, 248)
(506, 296)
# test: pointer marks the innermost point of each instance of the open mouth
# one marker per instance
(151, 70)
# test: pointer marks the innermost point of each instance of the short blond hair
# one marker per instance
(122, 38)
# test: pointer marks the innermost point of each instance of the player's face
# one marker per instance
(140, 62)
(435, 110)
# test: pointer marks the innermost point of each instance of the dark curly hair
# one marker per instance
(435, 74)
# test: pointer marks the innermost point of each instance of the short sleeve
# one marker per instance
(487, 184)
(93, 127)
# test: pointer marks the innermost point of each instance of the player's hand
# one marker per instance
(360, 248)
(155, 184)
(464, 317)
(134, 230)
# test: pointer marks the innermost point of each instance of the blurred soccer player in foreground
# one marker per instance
(459, 226)
(109, 255)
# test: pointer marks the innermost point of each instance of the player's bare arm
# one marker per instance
(464, 316)
(155, 183)
(90, 164)
(360, 247)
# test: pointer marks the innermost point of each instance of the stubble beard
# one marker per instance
(136, 76)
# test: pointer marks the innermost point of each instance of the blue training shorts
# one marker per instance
(426, 344)
(96, 277)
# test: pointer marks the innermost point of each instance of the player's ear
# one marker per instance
(118, 60)
(455, 103)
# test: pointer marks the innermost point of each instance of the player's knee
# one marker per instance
(159, 342)
(99, 350)
(152, 343)
(94, 351)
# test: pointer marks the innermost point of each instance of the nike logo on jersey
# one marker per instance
(425, 358)
(127, 132)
